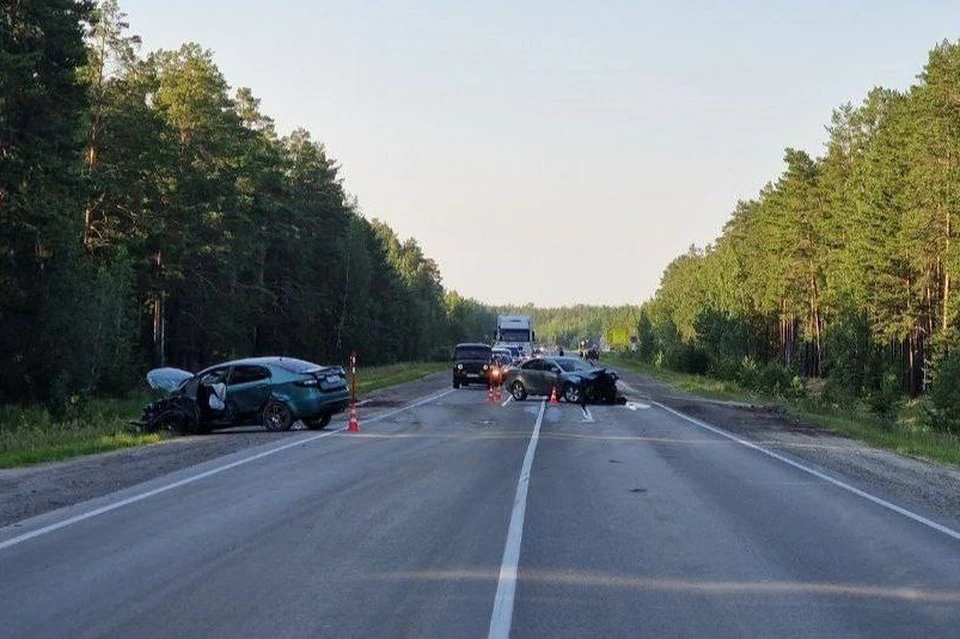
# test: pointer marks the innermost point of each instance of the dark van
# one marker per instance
(471, 364)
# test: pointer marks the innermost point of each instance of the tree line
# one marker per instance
(843, 268)
(567, 326)
(150, 215)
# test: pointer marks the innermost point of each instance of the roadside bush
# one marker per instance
(748, 375)
(771, 378)
(440, 354)
(725, 368)
(943, 410)
(688, 358)
(775, 379)
(850, 356)
(837, 393)
(885, 398)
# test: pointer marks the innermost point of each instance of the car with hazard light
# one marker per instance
(471, 364)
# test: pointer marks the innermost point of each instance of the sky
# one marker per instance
(556, 152)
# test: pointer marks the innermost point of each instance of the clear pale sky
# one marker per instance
(549, 151)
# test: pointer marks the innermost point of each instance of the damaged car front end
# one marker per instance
(596, 386)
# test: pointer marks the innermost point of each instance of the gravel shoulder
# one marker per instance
(928, 488)
(34, 490)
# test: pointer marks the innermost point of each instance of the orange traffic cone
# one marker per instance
(490, 393)
(354, 426)
(553, 396)
(497, 396)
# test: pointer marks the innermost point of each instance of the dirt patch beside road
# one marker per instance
(26, 492)
(928, 488)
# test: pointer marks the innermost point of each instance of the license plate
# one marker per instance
(473, 374)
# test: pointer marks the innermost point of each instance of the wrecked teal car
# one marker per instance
(273, 392)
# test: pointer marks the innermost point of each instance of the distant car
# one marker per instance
(573, 379)
(270, 391)
(506, 355)
(471, 364)
(499, 364)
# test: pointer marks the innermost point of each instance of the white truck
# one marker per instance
(516, 332)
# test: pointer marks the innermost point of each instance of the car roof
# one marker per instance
(472, 345)
(259, 361)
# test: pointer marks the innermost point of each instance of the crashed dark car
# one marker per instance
(572, 378)
(273, 392)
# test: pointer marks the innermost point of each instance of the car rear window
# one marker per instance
(471, 352)
(297, 365)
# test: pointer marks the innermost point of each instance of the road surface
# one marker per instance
(457, 517)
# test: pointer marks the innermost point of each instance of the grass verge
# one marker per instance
(696, 384)
(31, 435)
(903, 433)
(377, 377)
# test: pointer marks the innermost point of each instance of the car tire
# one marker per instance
(571, 393)
(456, 384)
(276, 416)
(518, 390)
(172, 421)
(320, 423)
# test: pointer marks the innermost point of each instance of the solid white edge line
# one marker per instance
(588, 416)
(920, 519)
(194, 478)
(502, 616)
(508, 400)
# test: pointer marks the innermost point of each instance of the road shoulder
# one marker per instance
(34, 490)
(930, 488)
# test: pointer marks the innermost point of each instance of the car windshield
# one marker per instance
(571, 364)
(471, 352)
(514, 335)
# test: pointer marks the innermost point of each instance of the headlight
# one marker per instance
(459, 367)
(485, 367)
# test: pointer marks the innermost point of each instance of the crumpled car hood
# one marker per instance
(167, 379)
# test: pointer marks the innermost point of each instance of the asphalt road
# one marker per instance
(630, 521)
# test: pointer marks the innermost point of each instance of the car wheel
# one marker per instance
(172, 421)
(320, 423)
(518, 390)
(276, 416)
(456, 384)
(571, 393)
